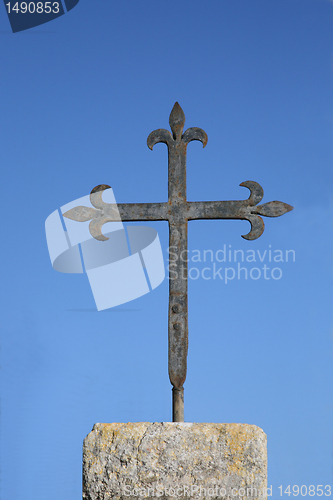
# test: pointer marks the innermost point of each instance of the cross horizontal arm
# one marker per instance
(241, 209)
(143, 211)
(237, 210)
(217, 209)
(185, 211)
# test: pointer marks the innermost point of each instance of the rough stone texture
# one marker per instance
(180, 460)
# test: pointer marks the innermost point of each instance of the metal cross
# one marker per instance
(178, 211)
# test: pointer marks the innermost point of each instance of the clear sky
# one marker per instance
(79, 96)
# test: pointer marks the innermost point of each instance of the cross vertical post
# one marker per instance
(178, 220)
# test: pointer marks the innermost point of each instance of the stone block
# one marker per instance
(174, 461)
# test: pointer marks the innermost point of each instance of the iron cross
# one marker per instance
(178, 211)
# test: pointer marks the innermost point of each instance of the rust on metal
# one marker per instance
(178, 211)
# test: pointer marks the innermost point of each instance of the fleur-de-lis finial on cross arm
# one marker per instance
(178, 211)
(97, 215)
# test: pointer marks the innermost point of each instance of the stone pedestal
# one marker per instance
(174, 461)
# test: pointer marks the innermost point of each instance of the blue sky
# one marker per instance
(79, 96)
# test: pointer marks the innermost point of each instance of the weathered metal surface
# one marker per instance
(190, 210)
(177, 216)
(178, 211)
(178, 404)
(143, 211)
